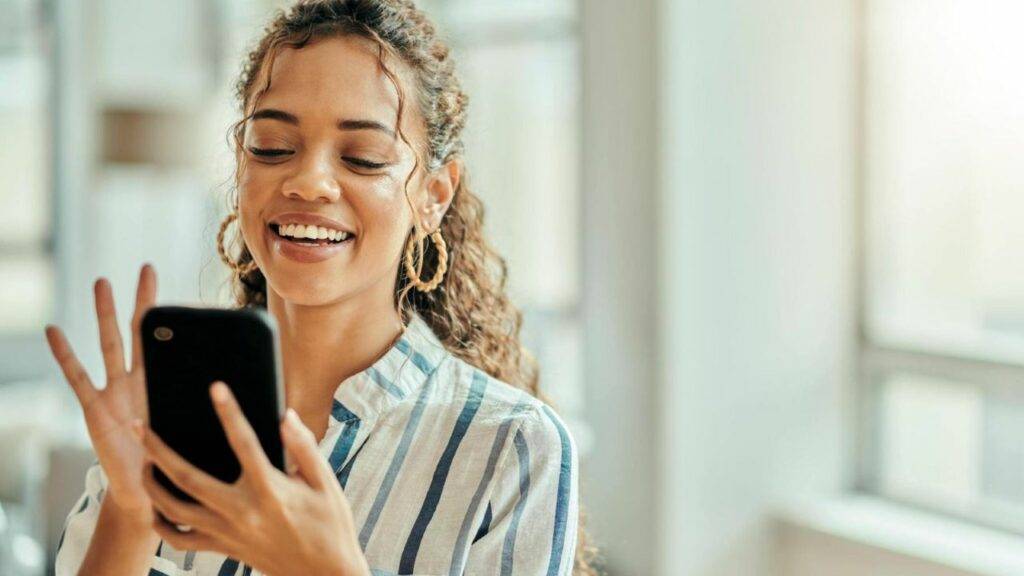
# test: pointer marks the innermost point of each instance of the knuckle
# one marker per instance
(108, 347)
(186, 480)
(250, 519)
(77, 375)
(247, 442)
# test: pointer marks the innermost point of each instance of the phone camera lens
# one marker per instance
(163, 333)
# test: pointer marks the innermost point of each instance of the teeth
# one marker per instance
(312, 232)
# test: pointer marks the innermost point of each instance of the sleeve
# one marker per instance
(530, 528)
(79, 526)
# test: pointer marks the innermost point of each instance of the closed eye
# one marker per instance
(269, 152)
(363, 163)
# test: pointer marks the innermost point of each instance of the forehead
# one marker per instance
(334, 78)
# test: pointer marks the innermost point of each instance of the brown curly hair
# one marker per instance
(470, 311)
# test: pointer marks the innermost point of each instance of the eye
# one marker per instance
(269, 152)
(363, 163)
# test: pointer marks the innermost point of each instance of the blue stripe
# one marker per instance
(344, 444)
(418, 359)
(396, 464)
(340, 412)
(458, 557)
(384, 383)
(155, 572)
(562, 505)
(246, 570)
(412, 545)
(509, 549)
(190, 558)
(228, 568)
(485, 526)
(343, 476)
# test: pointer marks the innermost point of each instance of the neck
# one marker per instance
(323, 345)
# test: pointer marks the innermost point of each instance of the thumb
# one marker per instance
(301, 446)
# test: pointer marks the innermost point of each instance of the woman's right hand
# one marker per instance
(109, 412)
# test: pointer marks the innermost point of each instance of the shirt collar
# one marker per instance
(400, 372)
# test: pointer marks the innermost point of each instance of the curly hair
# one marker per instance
(470, 311)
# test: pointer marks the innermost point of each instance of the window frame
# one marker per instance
(878, 356)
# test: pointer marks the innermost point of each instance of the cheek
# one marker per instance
(253, 194)
(383, 214)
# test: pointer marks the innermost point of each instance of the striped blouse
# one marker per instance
(447, 471)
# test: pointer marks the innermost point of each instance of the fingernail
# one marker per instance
(219, 391)
(291, 420)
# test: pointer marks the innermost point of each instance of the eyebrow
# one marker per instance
(288, 118)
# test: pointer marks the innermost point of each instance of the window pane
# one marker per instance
(26, 293)
(944, 133)
(953, 446)
(930, 447)
(26, 275)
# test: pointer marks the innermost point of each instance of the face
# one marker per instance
(322, 158)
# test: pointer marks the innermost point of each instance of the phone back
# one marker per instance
(185, 349)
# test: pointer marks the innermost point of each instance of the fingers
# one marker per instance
(301, 445)
(208, 490)
(73, 370)
(110, 335)
(241, 436)
(185, 540)
(177, 511)
(145, 297)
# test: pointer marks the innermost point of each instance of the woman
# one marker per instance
(421, 440)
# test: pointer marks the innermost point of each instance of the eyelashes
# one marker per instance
(268, 152)
(364, 163)
(276, 153)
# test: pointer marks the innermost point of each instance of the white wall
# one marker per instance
(756, 266)
(619, 482)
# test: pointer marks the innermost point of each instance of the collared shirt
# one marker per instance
(446, 469)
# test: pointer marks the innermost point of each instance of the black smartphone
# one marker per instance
(185, 349)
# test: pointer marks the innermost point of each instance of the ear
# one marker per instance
(440, 189)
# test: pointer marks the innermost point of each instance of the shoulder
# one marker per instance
(494, 403)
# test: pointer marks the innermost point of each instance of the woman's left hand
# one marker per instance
(278, 523)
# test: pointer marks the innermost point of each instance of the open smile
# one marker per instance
(308, 244)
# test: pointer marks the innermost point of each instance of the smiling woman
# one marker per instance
(423, 441)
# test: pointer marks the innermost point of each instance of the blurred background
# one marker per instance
(768, 255)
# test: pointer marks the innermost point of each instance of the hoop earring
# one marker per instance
(240, 270)
(442, 263)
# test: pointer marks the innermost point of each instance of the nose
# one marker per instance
(314, 179)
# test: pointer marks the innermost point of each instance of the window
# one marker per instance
(26, 258)
(943, 313)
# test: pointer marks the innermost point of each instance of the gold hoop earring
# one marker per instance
(240, 270)
(442, 263)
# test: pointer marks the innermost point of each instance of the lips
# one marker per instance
(306, 251)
